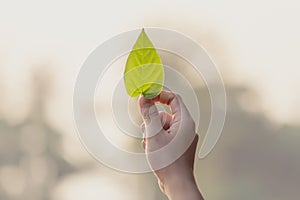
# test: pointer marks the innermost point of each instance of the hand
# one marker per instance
(176, 179)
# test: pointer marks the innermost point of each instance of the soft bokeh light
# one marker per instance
(43, 45)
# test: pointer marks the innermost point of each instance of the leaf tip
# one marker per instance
(143, 32)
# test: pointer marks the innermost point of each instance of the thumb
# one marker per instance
(150, 117)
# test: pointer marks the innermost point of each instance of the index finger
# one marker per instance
(173, 100)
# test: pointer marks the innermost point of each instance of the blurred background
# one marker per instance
(255, 44)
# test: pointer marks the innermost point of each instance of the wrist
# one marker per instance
(182, 187)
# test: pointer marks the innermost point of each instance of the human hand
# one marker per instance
(176, 179)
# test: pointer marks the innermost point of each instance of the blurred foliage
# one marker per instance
(31, 162)
(254, 157)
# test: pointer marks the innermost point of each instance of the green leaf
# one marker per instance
(144, 72)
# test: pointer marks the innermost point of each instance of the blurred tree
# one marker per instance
(254, 158)
(31, 162)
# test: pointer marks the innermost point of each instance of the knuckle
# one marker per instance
(142, 127)
(153, 113)
(177, 96)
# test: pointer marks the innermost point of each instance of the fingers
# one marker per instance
(154, 123)
(166, 120)
(150, 116)
(178, 108)
(169, 99)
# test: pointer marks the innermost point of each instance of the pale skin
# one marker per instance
(176, 180)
